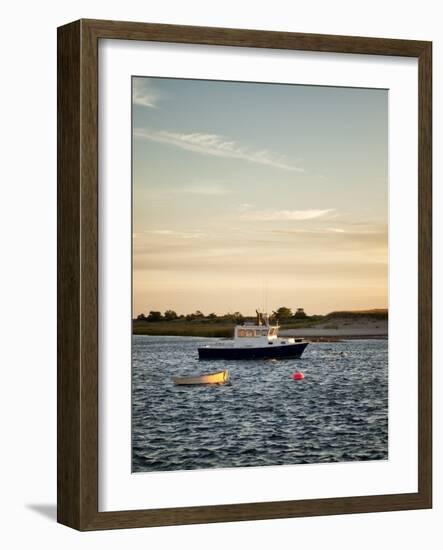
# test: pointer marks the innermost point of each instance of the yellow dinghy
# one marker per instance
(214, 378)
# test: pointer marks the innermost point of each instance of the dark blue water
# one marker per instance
(339, 412)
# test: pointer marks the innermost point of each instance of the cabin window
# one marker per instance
(250, 333)
(241, 333)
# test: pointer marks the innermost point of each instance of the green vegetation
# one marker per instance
(198, 324)
(183, 328)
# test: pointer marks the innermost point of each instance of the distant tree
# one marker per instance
(238, 318)
(170, 315)
(300, 313)
(282, 314)
(154, 316)
(141, 317)
(212, 316)
(193, 316)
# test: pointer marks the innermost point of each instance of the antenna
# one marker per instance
(263, 296)
(264, 300)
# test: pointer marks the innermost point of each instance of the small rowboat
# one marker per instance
(215, 378)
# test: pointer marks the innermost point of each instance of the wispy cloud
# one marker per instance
(209, 189)
(177, 234)
(144, 94)
(335, 230)
(218, 146)
(368, 238)
(284, 215)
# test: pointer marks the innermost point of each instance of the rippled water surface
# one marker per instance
(339, 412)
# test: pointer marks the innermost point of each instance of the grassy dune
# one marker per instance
(378, 314)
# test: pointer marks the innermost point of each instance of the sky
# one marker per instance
(256, 195)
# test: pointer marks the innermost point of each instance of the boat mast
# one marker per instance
(262, 319)
(259, 320)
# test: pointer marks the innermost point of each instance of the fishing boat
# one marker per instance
(259, 340)
(215, 378)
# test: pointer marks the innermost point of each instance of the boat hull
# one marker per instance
(214, 378)
(269, 352)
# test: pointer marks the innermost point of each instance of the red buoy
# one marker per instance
(298, 376)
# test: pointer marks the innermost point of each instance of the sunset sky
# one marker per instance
(248, 195)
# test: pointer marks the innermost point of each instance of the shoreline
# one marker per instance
(322, 330)
(320, 339)
(336, 335)
(313, 338)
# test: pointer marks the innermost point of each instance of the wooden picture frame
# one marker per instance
(77, 455)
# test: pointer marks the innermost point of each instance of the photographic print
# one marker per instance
(260, 274)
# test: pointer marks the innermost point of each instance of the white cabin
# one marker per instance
(260, 334)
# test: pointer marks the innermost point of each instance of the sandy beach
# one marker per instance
(342, 329)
